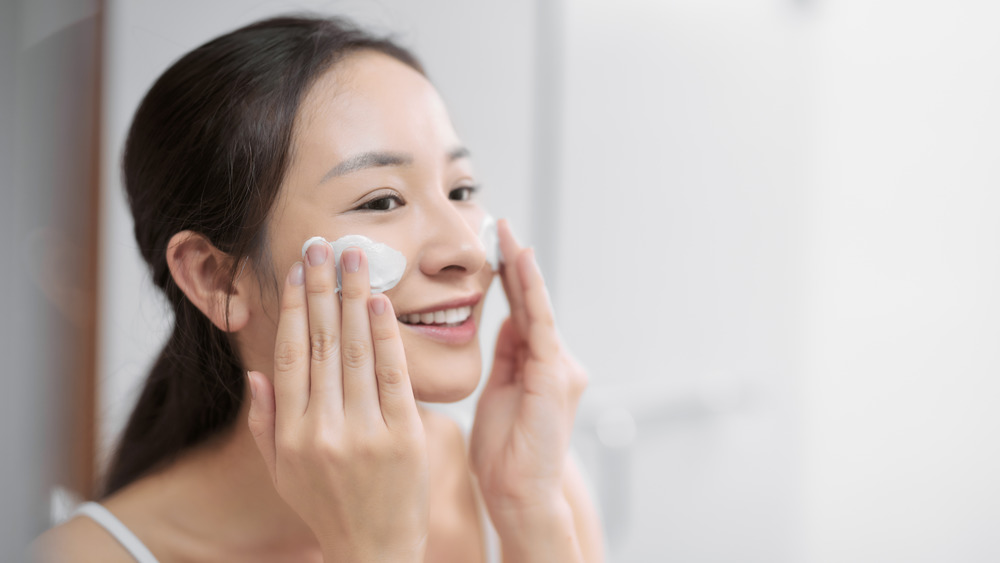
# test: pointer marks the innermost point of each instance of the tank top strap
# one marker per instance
(119, 531)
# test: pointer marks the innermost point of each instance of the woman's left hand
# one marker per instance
(520, 439)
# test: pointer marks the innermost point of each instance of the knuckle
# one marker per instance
(402, 450)
(367, 448)
(257, 424)
(330, 444)
(287, 355)
(352, 291)
(290, 305)
(579, 379)
(356, 353)
(390, 375)
(321, 286)
(383, 333)
(546, 318)
(323, 344)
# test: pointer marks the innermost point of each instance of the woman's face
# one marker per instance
(374, 153)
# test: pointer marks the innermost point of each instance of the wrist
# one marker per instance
(541, 531)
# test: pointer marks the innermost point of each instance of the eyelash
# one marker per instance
(470, 190)
(370, 204)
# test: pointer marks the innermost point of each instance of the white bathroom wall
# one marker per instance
(679, 217)
(478, 55)
(902, 372)
(779, 253)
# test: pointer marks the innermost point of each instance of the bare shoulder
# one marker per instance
(78, 540)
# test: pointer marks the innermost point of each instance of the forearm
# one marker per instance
(566, 528)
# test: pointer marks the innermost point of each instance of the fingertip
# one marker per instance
(508, 242)
(504, 225)
(377, 304)
(296, 274)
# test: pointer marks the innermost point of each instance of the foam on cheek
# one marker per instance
(490, 239)
(385, 264)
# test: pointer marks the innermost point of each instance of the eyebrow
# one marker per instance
(374, 159)
(371, 159)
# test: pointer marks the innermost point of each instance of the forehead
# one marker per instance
(371, 101)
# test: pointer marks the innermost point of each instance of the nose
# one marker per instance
(451, 242)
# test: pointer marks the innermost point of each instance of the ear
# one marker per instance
(202, 272)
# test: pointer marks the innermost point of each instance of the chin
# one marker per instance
(446, 382)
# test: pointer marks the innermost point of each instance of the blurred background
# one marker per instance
(769, 228)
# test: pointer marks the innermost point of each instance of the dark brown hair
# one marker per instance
(207, 151)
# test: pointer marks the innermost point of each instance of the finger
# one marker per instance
(360, 389)
(395, 394)
(509, 277)
(326, 392)
(505, 356)
(291, 351)
(261, 417)
(542, 339)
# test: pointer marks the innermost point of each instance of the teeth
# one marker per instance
(444, 316)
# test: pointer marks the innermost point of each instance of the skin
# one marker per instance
(335, 459)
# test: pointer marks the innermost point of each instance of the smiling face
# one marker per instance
(375, 154)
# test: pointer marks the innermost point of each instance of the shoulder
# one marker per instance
(79, 539)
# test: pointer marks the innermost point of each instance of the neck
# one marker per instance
(222, 492)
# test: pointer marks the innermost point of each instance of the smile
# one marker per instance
(443, 317)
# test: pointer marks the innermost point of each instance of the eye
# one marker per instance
(383, 203)
(463, 193)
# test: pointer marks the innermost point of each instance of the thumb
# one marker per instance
(261, 417)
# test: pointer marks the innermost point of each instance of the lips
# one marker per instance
(450, 322)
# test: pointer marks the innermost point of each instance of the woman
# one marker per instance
(246, 147)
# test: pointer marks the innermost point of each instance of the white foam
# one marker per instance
(385, 264)
(491, 240)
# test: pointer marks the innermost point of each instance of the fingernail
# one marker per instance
(253, 390)
(317, 252)
(351, 260)
(297, 275)
(378, 305)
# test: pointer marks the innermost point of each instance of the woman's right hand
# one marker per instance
(339, 430)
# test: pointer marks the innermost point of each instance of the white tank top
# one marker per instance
(119, 531)
(141, 553)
